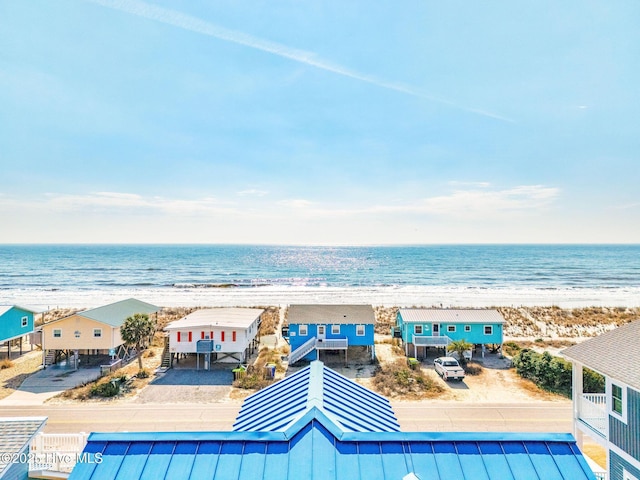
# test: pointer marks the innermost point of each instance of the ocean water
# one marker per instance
(45, 276)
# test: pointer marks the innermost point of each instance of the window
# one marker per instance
(335, 329)
(451, 328)
(77, 333)
(360, 330)
(417, 329)
(233, 336)
(185, 336)
(488, 329)
(57, 333)
(97, 332)
(321, 330)
(222, 336)
(25, 321)
(303, 330)
(467, 328)
(618, 400)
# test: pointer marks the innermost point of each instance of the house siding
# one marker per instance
(11, 323)
(627, 436)
(346, 331)
(86, 341)
(617, 465)
(476, 335)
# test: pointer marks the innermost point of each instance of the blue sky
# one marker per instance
(319, 122)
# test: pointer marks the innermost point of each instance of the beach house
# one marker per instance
(317, 424)
(15, 323)
(314, 328)
(421, 328)
(94, 332)
(610, 418)
(215, 334)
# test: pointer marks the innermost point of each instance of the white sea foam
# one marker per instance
(286, 295)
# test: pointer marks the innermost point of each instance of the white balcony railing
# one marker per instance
(431, 341)
(56, 452)
(332, 344)
(593, 412)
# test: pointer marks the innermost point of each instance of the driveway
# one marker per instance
(47, 383)
(188, 386)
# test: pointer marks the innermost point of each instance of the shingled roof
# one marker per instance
(613, 354)
(331, 314)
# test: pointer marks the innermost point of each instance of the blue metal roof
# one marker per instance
(350, 406)
(313, 451)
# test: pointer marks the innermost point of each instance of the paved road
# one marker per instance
(413, 416)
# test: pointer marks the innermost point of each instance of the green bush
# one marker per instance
(548, 372)
(592, 381)
(107, 389)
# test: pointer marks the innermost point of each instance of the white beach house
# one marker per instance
(219, 334)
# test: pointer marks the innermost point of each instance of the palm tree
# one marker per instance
(460, 346)
(136, 332)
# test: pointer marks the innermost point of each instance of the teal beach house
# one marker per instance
(421, 328)
(313, 328)
(15, 323)
(610, 418)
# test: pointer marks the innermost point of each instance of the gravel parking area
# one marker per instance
(188, 386)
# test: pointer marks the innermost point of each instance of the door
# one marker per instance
(435, 328)
(322, 332)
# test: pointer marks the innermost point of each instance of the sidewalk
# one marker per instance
(47, 383)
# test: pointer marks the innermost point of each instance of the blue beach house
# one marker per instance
(317, 424)
(421, 328)
(312, 328)
(610, 418)
(15, 322)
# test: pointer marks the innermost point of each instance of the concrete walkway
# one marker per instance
(47, 383)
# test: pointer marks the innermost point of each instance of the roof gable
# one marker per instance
(605, 352)
(331, 314)
(347, 405)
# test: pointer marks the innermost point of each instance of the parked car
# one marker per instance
(448, 367)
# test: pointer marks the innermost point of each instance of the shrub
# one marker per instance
(142, 374)
(6, 363)
(473, 369)
(107, 389)
(548, 372)
(396, 378)
(511, 348)
(592, 382)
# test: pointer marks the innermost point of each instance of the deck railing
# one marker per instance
(431, 341)
(593, 411)
(56, 452)
(332, 344)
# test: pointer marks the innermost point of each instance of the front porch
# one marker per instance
(592, 413)
(426, 341)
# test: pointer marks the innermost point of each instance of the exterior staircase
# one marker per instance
(166, 355)
(302, 350)
(50, 358)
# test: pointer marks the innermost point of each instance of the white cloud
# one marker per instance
(296, 203)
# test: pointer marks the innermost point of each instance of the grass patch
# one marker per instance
(255, 378)
(396, 379)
